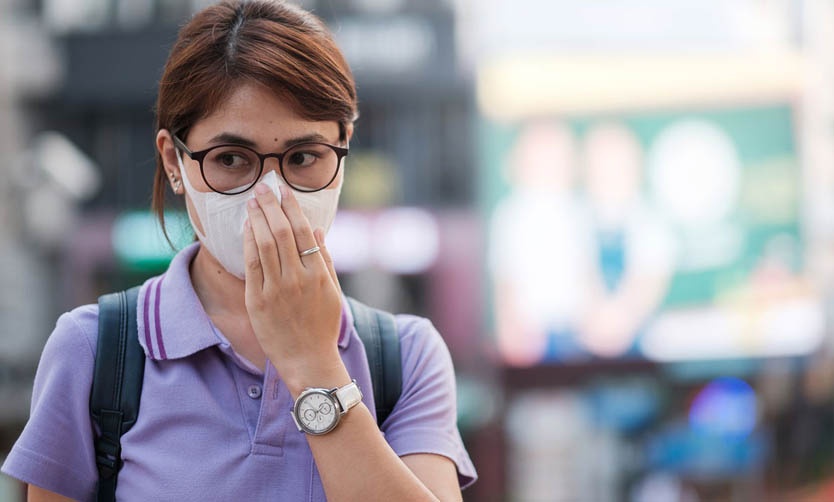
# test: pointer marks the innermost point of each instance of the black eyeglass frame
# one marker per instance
(341, 153)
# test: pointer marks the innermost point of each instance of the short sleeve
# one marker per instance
(425, 417)
(55, 450)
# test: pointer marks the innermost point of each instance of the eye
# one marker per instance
(228, 159)
(231, 159)
(305, 155)
(301, 159)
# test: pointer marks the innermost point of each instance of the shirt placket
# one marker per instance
(274, 421)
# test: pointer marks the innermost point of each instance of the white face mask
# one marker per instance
(223, 216)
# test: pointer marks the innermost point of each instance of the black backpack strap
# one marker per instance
(378, 331)
(117, 383)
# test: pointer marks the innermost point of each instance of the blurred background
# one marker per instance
(619, 214)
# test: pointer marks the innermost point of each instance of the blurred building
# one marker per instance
(24, 297)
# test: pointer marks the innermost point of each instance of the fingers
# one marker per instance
(325, 254)
(265, 244)
(252, 260)
(290, 231)
(304, 238)
(279, 225)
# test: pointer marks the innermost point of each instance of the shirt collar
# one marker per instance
(172, 322)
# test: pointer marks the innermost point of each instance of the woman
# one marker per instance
(251, 316)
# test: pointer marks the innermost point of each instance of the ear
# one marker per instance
(169, 154)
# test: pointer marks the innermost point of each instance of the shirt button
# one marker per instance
(254, 391)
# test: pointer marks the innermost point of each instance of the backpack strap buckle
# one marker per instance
(107, 445)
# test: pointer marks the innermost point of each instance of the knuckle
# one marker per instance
(284, 232)
(253, 263)
(266, 244)
(299, 228)
(254, 214)
(268, 199)
(297, 281)
(292, 284)
(320, 274)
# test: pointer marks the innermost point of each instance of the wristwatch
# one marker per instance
(318, 411)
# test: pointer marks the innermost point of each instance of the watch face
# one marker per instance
(316, 412)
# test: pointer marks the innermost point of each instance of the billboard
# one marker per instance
(667, 235)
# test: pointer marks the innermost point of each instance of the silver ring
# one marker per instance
(310, 251)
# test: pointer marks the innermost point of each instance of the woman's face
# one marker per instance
(252, 116)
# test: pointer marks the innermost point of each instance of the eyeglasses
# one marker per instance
(233, 169)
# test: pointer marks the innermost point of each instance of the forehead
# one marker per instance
(257, 113)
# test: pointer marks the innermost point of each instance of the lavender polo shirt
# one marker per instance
(211, 425)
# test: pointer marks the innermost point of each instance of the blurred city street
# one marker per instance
(618, 213)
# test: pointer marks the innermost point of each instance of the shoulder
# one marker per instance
(76, 332)
(69, 354)
(426, 361)
(418, 336)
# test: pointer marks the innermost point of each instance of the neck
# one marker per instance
(220, 292)
(223, 298)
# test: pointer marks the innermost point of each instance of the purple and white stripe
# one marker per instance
(153, 332)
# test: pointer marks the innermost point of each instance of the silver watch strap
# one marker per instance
(348, 396)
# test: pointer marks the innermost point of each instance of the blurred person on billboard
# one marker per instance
(255, 112)
(575, 277)
(539, 260)
(633, 250)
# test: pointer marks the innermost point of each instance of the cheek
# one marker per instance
(337, 182)
(195, 177)
(195, 218)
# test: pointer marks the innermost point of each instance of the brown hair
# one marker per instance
(278, 45)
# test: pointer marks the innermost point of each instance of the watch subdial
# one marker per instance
(309, 415)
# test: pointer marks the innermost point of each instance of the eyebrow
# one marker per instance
(229, 138)
(307, 138)
(234, 139)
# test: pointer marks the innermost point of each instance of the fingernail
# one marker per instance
(261, 188)
(284, 190)
(253, 203)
